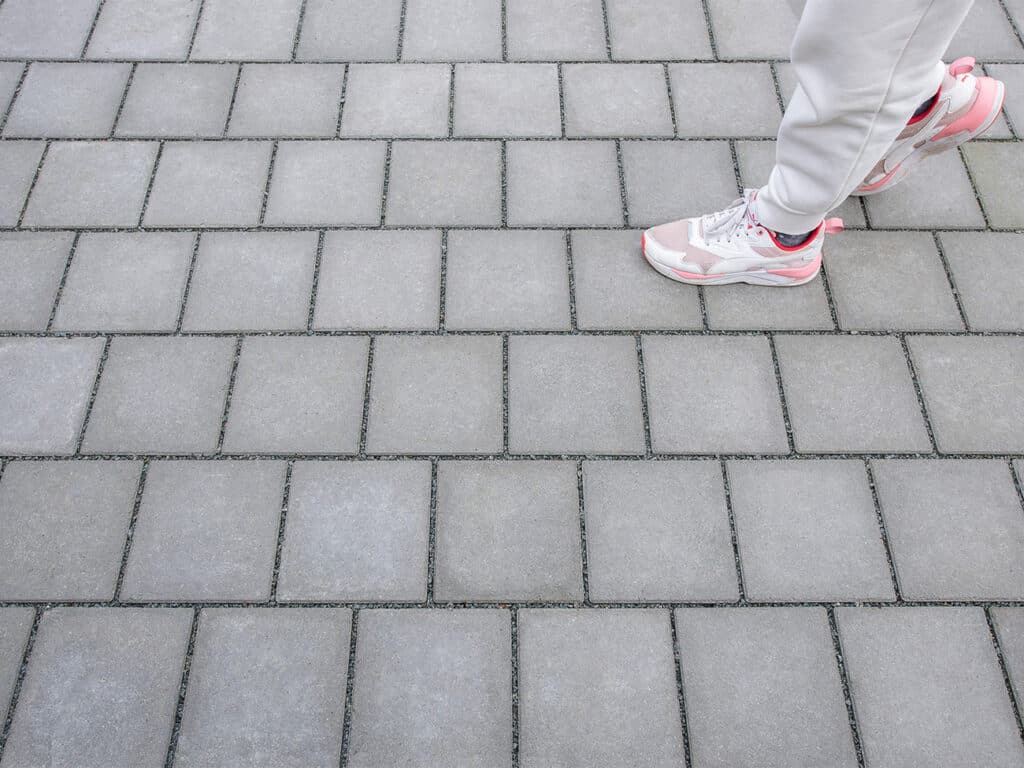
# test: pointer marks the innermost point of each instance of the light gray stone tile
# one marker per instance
(10, 76)
(209, 184)
(1009, 623)
(251, 281)
(379, 280)
(101, 689)
(507, 100)
(568, 30)
(68, 100)
(15, 624)
(713, 395)
(58, 29)
(161, 395)
(574, 394)
(850, 394)
(357, 531)
(461, 660)
(986, 34)
(207, 530)
(65, 527)
(1012, 76)
(725, 99)
(267, 686)
(998, 170)
(597, 688)
(1016, 10)
(753, 30)
(937, 193)
(973, 257)
(32, 264)
(18, 163)
(807, 530)
(657, 531)
(159, 29)
(298, 395)
(762, 688)
(508, 531)
(616, 100)
(326, 183)
(617, 289)
(287, 100)
(44, 392)
(507, 280)
(659, 179)
(91, 184)
(972, 389)
(240, 29)
(436, 395)
(445, 183)
(750, 307)
(933, 672)
(563, 183)
(397, 100)
(125, 282)
(350, 30)
(955, 528)
(658, 29)
(190, 100)
(446, 30)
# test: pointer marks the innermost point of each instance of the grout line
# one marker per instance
(286, 493)
(504, 30)
(316, 281)
(186, 291)
(1015, 705)
(1003, 112)
(644, 408)
(231, 104)
(387, 181)
(561, 97)
(442, 305)
(140, 489)
(92, 29)
(573, 320)
(1017, 484)
(451, 102)
(124, 98)
(918, 391)
(32, 185)
(826, 285)
(736, 166)
(778, 87)
(228, 394)
(152, 180)
(790, 440)
(298, 29)
(401, 30)
(671, 102)
(266, 187)
(851, 710)
(504, 394)
(92, 395)
(584, 554)
(607, 29)
(63, 281)
(515, 685)
(680, 692)
(432, 533)
(1013, 24)
(703, 302)
(346, 722)
(341, 103)
(733, 533)
(952, 283)
(710, 31)
(864, 210)
(26, 656)
(186, 671)
(974, 187)
(504, 184)
(9, 107)
(195, 30)
(622, 184)
(883, 530)
(367, 383)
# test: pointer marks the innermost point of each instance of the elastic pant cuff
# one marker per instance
(778, 219)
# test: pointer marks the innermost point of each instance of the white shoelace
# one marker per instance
(722, 226)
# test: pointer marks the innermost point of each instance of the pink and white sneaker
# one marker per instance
(965, 107)
(732, 247)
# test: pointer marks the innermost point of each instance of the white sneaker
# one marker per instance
(732, 247)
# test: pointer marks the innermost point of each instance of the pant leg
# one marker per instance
(863, 66)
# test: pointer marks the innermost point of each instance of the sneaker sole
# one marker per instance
(760, 277)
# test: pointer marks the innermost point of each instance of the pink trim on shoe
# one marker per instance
(799, 273)
(979, 114)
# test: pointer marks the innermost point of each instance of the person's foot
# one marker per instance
(732, 247)
(964, 107)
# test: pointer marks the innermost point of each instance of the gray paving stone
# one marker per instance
(445, 183)
(507, 280)
(563, 183)
(32, 264)
(807, 530)
(125, 282)
(287, 100)
(101, 689)
(616, 288)
(850, 394)
(267, 687)
(10, 76)
(161, 395)
(998, 170)
(190, 100)
(206, 530)
(344, 30)
(927, 688)
(30, 29)
(986, 34)
(159, 29)
(725, 99)
(659, 179)
(326, 183)
(1016, 10)
(446, 30)
(65, 527)
(239, 29)
(657, 531)
(508, 531)
(972, 388)
(397, 100)
(507, 100)
(762, 688)
(15, 624)
(251, 281)
(379, 280)
(713, 395)
(955, 528)
(68, 100)
(1009, 624)
(915, 294)
(1012, 76)
(458, 663)
(436, 395)
(91, 184)
(574, 394)
(209, 184)
(568, 30)
(356, 531)
(44, 392)
(18, 163)
(745, 307)
(616, 100)
(658, 29)
(597, 688)
(298, 395)
(753, 30)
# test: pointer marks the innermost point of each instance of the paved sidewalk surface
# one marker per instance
(341, 423)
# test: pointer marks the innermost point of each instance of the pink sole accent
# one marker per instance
(799, 272)
(880, 183)
(980, 114)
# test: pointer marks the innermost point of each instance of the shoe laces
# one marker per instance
(722, 226)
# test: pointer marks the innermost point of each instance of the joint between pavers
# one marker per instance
(504, 184)
(298, 29)
(622, 183)
(561, 97)
(504, 395)
(514, 626)
(20, 679)
(63, 281)
(129, 537)
(952, 282)
(386, 184)
(317, 261)
(341, 101)
(149, 186)
(1015, 705)
(833, 310)
(736, 166)
(733, 533)
(401, 29)
(124, 98)
(883, 530)
(584, 556)
(644, 408)
(451, 101)
(346, 719)
(231, 104)
(573, 320)
(1018, 484)
(851, 712)
(974, 187)
(367, 388)
(9, 107)
(432, 533)
(1013, 24)
(442, 299)
(92, 29)
(776, 366)
(684, 724)
(186, 671)
(671, 101)
(286, 492)
(266, 186)
(711, 31)
(607, 30)
(227, 395)
(778, 86)
(984, 69)
(188, 283)
(918, 391)
(504, 30)
(92, 395)
(32, 185)
(195, 30)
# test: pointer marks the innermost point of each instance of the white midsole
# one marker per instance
(758, 277)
